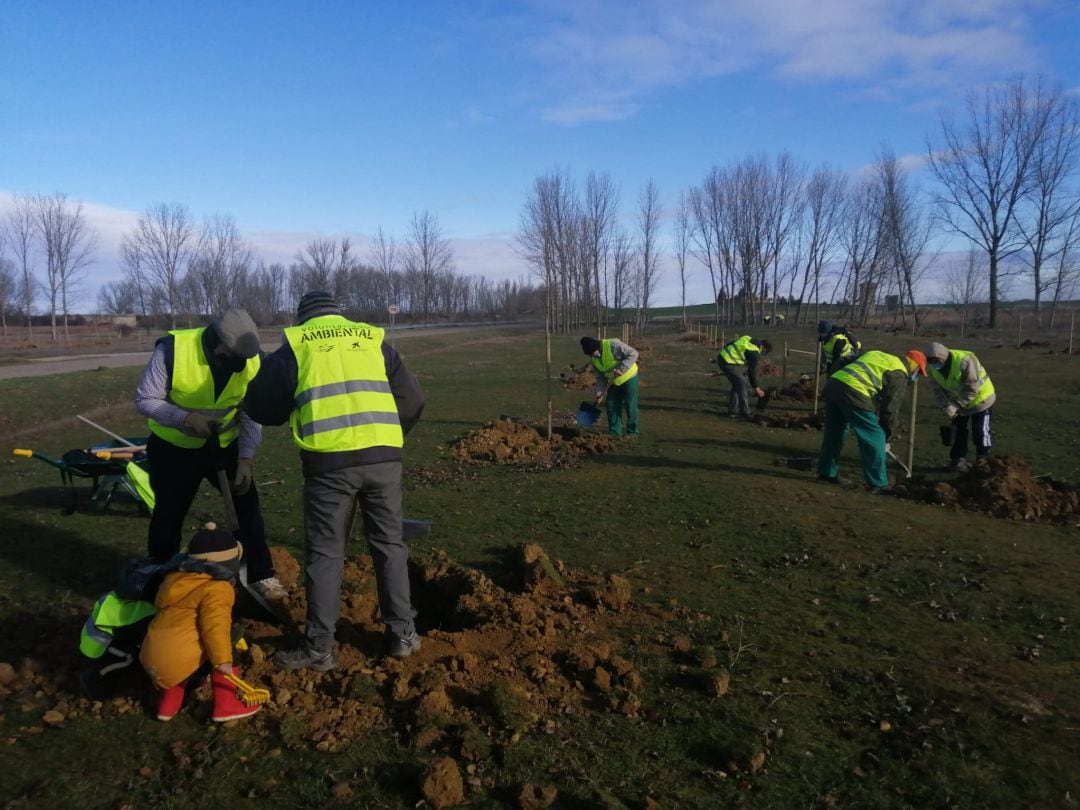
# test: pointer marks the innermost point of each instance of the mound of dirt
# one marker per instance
(1033, 344)
(790, 421)
(800, 391)
(767, 368)
(503, 663)
(1004, 487)
(508, 441)
(578, 379)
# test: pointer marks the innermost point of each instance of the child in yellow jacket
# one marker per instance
(193, 626)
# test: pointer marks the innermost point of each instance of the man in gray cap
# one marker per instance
(190, 392)
(349, 400)
(964, 392)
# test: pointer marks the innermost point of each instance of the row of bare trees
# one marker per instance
(771, 233)
(589, 263)
(50, 233)
(175, 267)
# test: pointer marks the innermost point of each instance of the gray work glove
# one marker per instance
(202, 425)
(242, 483)
(951, 411)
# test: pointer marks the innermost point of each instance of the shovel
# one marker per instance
(234, 526)
(903, 466)
(588, 413)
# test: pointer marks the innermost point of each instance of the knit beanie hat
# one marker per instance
(936, 352)
(214, 545)
(590, 345)
(315, 303)
(238, 333)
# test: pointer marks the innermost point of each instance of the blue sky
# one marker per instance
(336, 118)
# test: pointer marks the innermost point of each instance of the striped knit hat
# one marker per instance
(315, 303)
(214, 545)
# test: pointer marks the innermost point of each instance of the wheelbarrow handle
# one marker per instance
(18, 451)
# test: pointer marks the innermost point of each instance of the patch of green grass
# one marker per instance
(882, 653)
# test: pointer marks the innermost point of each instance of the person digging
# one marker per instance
(866, 395)
(964, 392)
(615, 366)
(743, 351)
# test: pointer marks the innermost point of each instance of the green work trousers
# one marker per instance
(868, 432)
(623, 398)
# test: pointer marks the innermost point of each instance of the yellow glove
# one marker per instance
(242, 483)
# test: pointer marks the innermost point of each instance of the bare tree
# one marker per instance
(648, 222)
(681, 240)
(965, 286)
(68, 245)
(597, 224)
(159, 252)
(861, 243)
(118, 297)
(825, 195)
(427, 257)
(220, 264)
(1051, 204)
(905, 228)
(1066, 265)
(984, 165)
(21, 235)
(9, 289)
(384, 258)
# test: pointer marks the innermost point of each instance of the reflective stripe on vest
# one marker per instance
(866, 374)
(952, 384)
(343, 399)
(606, 362)
(734, 353)
(110, 612)
(846, 349)
(193, 390)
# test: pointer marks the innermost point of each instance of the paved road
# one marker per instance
(82, 362)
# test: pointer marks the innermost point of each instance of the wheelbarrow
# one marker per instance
(107, 467)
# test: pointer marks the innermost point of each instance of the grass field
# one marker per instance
(885, 653)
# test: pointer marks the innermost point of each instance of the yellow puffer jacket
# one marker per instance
(192, 625)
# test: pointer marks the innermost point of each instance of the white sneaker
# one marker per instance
(958, 465)
(270, 589)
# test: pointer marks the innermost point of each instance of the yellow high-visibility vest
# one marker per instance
(734, 353)
(606, 362)
(193, 390)
(952, 384)
(866, 373)
(343, 399)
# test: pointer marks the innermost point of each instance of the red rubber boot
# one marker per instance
(227, 706)
(170, 701)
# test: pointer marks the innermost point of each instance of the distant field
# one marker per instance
(881, 652)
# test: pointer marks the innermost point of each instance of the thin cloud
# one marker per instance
(606, 56)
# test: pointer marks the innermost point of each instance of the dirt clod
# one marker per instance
(535, 797)
(442, 785)
(507, 441)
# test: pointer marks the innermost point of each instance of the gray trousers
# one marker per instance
(328, 500)
(739, 398)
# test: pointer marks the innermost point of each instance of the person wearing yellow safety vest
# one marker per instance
(615, 366)
(866, 395)
(838, 346)
(190, 392)
(742, 351)
(350, 401)
(963, 390)
(110, 638)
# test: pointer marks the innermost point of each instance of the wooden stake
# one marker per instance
(911, 425)
(783, 369)
(1019, 328)
(817, 377)
(1072, 323)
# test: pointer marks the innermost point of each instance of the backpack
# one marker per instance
(140, 577)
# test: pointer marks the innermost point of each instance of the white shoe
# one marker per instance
(958, 465)
(270, 589)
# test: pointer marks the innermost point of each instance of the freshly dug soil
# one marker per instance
(800, 391)
(507, 441)
(1004, 487)
(790, 421)
(506, 660)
